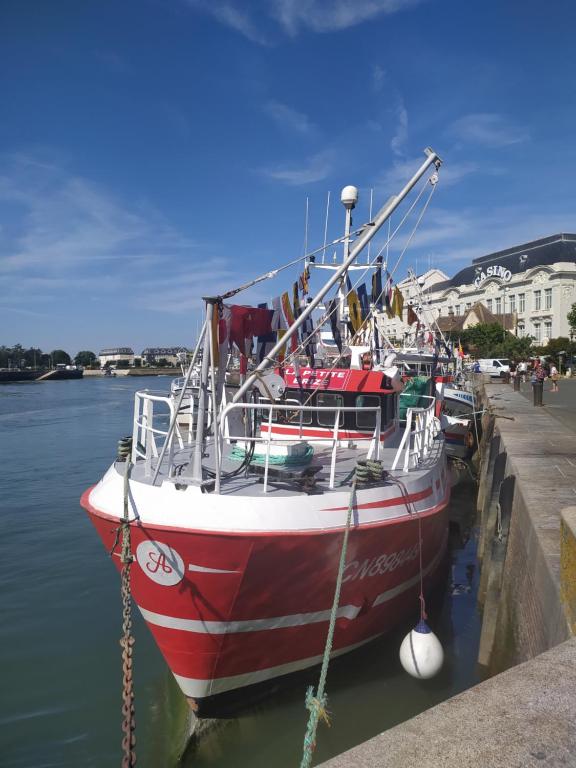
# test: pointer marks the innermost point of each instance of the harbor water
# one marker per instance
(62, 615)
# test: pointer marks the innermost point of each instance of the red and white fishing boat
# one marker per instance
(236, 520)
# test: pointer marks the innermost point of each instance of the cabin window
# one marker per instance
(329, 400)
(368, 418)
(294, 417)
(298, 398)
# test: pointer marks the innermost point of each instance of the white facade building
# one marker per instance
(116, 354)
(535, 282)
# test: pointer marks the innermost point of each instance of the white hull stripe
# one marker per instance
(195, 688)
(251, 625)
(383, 597)
(205, 569)
(278, 622)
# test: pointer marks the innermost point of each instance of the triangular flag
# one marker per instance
(398, 303)
(412, 316)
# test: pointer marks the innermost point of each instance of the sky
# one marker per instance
(155, 151)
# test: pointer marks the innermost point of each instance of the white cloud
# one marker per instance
(401, 134)
(379, 77)
(62, 235)
(394, 178)
(317, 168)
(451, 239)
(231, 16)
(295, 16)
(488, 130)
(289, 118)
(332, 15)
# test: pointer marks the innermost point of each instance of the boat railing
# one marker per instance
(419, 432)
(146, 432)
(267, 435)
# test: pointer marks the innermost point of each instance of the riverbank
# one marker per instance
(173, 372)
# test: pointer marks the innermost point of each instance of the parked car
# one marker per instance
(494, 367)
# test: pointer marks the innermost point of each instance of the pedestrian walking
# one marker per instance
(522, 370)
(554, 376)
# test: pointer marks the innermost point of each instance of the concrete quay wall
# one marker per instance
(527, 478)
(524, 715)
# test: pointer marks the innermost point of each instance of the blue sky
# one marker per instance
(152, 151)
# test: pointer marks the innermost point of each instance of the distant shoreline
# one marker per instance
(175, 372)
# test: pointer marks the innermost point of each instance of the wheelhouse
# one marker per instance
(331, 391)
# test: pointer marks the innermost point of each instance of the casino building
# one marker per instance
(529, 288)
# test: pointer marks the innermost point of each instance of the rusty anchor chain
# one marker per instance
(127, 640)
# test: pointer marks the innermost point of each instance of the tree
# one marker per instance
(553, 348)
(491, 340)
(85, 358)
(60, 357)
(33, 357)
(4, 356)
(572, 320)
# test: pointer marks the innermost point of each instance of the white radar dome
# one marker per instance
(349, 196)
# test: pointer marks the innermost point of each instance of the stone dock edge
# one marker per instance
(524, 715)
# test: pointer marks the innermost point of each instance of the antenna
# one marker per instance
(326, 226)
(370, 219)
(306, 229)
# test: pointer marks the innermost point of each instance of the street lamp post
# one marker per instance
(504, 291)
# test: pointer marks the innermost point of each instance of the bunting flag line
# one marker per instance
(265, 341)
(377, 288)
(245, 323)
(397, 303)
(388, 297)
(295, 300)
(412, 316)
(289, 316)
(279, 325)
(364, 303)
(353, 307)
(309, 336)
(305, 280)
(333, 312)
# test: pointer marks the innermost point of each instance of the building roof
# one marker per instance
(117, 351)
(548, 250)
(163, 350)
(480, 313)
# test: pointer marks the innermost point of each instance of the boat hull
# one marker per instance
(231, 610)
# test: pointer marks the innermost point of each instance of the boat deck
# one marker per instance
(303, 479)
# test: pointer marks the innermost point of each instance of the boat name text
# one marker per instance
(376, 566)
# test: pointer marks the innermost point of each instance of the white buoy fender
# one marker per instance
(421, 653)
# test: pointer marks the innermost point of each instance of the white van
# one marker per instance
(495, 367)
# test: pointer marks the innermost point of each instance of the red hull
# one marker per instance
(231, 610)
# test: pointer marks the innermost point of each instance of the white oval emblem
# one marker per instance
(160, 562)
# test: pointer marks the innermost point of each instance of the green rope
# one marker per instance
(239, 454)
(316, 704)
